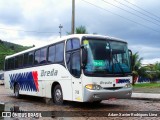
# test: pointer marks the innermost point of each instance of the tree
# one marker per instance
(80, 30)
(136, 65)
(153, 72)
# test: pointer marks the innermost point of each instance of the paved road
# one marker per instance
(37, 104)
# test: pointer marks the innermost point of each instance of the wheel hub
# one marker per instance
(58, 95)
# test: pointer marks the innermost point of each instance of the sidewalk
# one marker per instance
(146, 93)
(151, 96)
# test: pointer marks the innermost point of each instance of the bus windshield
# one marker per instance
(106, 57)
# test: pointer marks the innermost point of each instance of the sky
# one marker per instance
(36, 22)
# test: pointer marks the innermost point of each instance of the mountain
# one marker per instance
(8, 48)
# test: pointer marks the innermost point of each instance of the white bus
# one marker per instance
(1, 78)
(79, 67)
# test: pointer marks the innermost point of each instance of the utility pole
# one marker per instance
(60, 32)
(73, 16)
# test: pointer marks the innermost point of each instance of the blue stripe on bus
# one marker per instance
(28, 81)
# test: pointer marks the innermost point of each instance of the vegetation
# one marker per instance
(80, 30)
(136, 65)
(151, 71)
(147, 85)
(7, 48)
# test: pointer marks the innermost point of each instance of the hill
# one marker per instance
(8, 48)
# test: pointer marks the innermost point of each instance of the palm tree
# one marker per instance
(136, 65)
(81, 30)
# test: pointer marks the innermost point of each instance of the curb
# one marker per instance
(145, 96)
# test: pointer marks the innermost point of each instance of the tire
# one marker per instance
(58, 95)
(97, 102)
(16, 91)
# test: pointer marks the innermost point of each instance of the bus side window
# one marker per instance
(68, 61)
(59, 52)
(37, 57)
(72, 44)
(76, 43)
(51, 54)
(76, 66)
(43, 56)
(6, 64)
(73, 57)
(16, 62)
(11, 63)
(25, 60)
(30, 58)
(20, 61)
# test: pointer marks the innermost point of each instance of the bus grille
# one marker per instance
(112, 88)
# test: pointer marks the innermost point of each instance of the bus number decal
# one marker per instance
(76, 91)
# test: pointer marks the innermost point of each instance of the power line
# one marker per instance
(130, 12)
(120, 16)
(137, 11)
(142, 9)
(26, 30)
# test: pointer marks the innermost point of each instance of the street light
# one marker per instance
(73, 16)
(60, 27)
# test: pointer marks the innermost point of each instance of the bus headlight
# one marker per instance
(93, 87)
(128, 85)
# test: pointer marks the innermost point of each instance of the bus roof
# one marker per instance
(65, 38)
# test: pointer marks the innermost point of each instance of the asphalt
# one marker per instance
(152, 96)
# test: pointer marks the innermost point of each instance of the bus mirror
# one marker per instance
(84, 56)
(131, 60)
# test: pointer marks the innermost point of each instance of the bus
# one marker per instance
(1, 78)
(78, 67)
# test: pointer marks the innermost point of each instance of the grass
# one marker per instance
(147, 85)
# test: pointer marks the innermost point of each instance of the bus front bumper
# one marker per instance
(97, 95)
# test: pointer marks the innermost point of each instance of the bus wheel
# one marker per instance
(16, 91)
(97, 102)
(58, 95)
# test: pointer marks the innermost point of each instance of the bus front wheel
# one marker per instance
(16, 91)
(58, 95)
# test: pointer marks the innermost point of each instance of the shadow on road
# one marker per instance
(109, 104)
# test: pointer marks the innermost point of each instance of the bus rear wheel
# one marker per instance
(58, 95)
(16, 91)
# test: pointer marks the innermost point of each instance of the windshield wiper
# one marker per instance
(118, 65)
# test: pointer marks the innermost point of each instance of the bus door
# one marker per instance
(76, 79)
(74, 66)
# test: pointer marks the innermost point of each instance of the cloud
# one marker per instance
(146, 52)
(150, 61)
(10, 12)
(43, 18)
